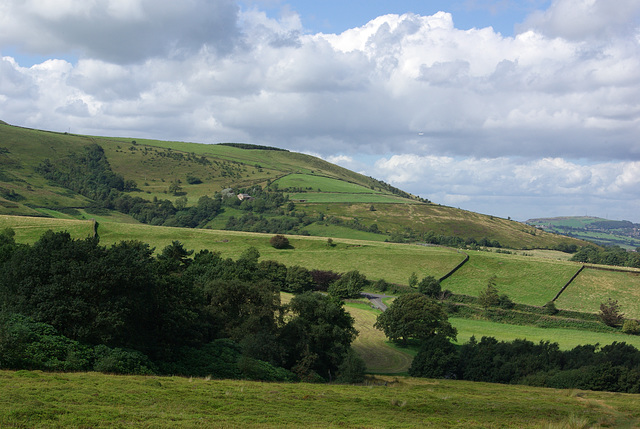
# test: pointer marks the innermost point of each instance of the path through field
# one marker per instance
(372, 347)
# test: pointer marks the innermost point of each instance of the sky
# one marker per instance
(514, 108)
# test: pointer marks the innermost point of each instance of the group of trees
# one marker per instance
(610, 255)
(76, 305)
(615, 367)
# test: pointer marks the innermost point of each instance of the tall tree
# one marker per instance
(414, 316)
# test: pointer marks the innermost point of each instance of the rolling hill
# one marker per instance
(37, 168)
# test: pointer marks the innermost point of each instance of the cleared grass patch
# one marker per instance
(327, 197)
(593, 287)
(566, 338)
(29, 229)
(372, 346)
(322, 184)
(35, 399)
(524, 279)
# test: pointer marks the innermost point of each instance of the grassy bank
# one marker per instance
(35, 399)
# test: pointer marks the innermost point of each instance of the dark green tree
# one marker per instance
(489, 297)
(414, 316)
(317, 336)
(349, 285)
(610, 313)
(430, 286)
(298, 280)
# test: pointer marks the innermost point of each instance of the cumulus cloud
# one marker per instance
(524, 189)
(565, 87)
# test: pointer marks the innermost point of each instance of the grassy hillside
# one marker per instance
(598, 230)
(532, 280)
(316, 186)
(35, 399)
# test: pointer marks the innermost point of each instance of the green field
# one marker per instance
(325, 197)
(566, 338)
(322, 184)
(593, 287)
(525, 279)
(36, 399)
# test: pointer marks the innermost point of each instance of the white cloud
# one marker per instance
(553, 183)
(466, 102)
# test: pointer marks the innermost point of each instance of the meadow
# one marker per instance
(36, 399)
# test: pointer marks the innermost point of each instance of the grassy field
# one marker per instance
(525, 279)
(322, 184)
(593, 287)
(372, 345)
(35, 399)
(566, 338)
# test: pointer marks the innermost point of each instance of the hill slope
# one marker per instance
(37, 179)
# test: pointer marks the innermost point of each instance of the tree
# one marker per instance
(413, 280)
(610, 313)
(318, 335)
(430, 286)
(298, 280)
(437, 358)
(414, 316)
(489, 297)
(349, 285)
(279, 242)
(175, 188)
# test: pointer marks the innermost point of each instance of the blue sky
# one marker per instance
(335, 16)
(518, 109)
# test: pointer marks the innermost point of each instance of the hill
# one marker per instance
(605, 232)
(62, 175)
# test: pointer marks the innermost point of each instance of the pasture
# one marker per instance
(36, 399)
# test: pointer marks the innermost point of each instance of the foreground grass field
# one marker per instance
(35, 399)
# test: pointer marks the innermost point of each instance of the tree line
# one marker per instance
(73, 304)
(610, 255)
(422, 320)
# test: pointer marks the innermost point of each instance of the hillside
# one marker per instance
(130, 181)
(598, 230)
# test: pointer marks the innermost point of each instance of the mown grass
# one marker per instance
(326, 197)
(35, 399)
(371, 344)
(322, 184)
(29, 229)
(593, 287)
(566, 338)
(524, 279)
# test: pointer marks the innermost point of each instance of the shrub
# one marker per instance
(505, 302)
(279, 242)
(550, 308)
(631, 327)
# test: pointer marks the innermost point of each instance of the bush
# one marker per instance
(631, 327)
(279, 242)
(550, 308)
(121, 361)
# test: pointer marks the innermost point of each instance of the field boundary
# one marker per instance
(456, 268)
(568, 283)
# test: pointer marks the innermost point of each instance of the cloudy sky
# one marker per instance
(515, 108)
